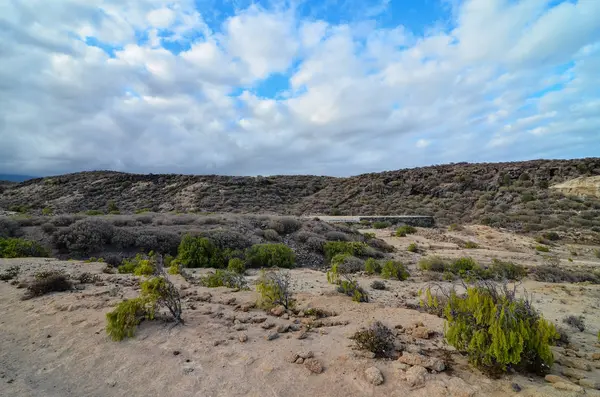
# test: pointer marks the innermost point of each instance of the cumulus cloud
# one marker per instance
(167, 86)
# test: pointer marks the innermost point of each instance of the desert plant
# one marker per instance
(20, 248)
(161, 292)
(122, 321)
(271, 235)
(377, 339)
(577, 322)
(501, 270)
(270, 255)
(372, 266)
(470, 244)
(412, 247)
(335, 235)
(333, 248)
(554, 274)
(285, 225)
(433, 264)
(462, 266)
(224, 278)
(394, 269)
(275, 289)
(46, 282)
(84, 236)
(9, 228)
(199, 252)
(542, 248)
(10, 273)
(402, 231)
(236, 265)
(48, 228)
(377, 284)
(381, 224)
(140, 265)
(498, 330)
(46, 211)
(343, 264)
(597, 253)
(94, 212)
(350, 287)
(88, 278)
(369, 235)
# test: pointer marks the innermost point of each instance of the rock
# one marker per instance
(285, 316)
(421, 333)
(572, 373)
(555, 379)
(295, 327)
(267, 325)
(272, 335)
(459, 388)
(313, 365)
(299, 360)
(567, 386)
(258, 320)
(243, 338)
(302, 335)
(246, 307)
(278, 311)
(282, 329)
(374, 376)
(240, 327)
(515, 387)
(400, 366)
(432, 363)
(188, 371)
(365, 354)
(176, 352)
(111, 382)
(305, 354)
(590, 383)
(595, 356)
(204, 297)
(572, 362)
(292, 358)
(415, 376)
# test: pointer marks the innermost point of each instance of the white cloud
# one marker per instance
(511, 80)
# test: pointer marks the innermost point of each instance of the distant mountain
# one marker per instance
(15, 178)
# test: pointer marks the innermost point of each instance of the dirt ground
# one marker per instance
(56, 345)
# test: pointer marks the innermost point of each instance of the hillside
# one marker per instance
(514, 195)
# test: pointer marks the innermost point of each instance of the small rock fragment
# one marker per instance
(595, 356)
(555, 379)
(515, 387)
(272, 335)
(567, 386)
(302, 335)
(176, 352)
(572, 373)
(240, 327)
(285, 316)
(432, 363)
(278, 311)
(282, 329)
(243, 338)
(267, 325)
(374, 376)
(305, 354)
(415, 376)
(258, 320)
(421, 333)
(590, 383)
(299, 360)
(313, 365)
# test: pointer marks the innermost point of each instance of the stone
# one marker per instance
(374, 376)
(302, 335)
(267, 325)
(595, 356)
(176, 352)
(432, 363)
(243, 319)
(204, 297)
(272, 335)
(590, 383)
(365, 354)
(515, 387)
(313, 365)
(572, 362)
(285, 316)
(400, 366)
(415, 376)
(258, 320)
(305, 354)
(240, 327)
(459, 388)
(246, 307)
(243, 338)
(421, 333)
(299, 360)
(282, 329)
(572, 373)
(295, 327)
(278, 311)
(567, 386)
(555, 379)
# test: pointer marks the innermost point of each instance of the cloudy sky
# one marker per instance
(330, 87)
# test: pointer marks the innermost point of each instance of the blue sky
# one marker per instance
(290, 87)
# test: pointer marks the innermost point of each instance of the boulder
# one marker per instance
(435, 364)
(374, 376)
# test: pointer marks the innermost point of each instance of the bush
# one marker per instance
(333, 248)
(285, 225)
(470, 245)
(350, 287)
(496, 330)
(402, 231)
(158, 241)
(271, 235)
(597, 253)
(380, 245)
(542, 248)
(381, 224)
(315, 244)
(412, 247)
(10, 273)
(46, 282)
(236, 265)
(369, 236)
(433, 264)
(376, 284)
(343, 264)
(88, 278)
(84, 237)
(65, 220)
(223, 278)
(199, 252)
(462, 266)
(275, 289)
(48, 228)
(335, 235)
(553, 274)
(501, 270)
(270, 255)
(377, 339)
(124, 319)
(94, 212)
(552, 236)
(161, 292)
(394, 269)
(577, 322)
(372, 266)
(9, 228)
(20, 248)
(140, 265)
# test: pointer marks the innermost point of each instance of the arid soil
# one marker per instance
(56, 345)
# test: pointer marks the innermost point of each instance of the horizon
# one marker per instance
(339, 88)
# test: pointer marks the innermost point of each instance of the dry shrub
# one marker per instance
(9, 228)
(377, 339)
(285, 225)
(577, 322)
(47, 282)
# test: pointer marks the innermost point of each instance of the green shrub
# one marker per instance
(455, 227)
(111, 207)
(94, 212)
(140, 265)
(144, 268)
(174, 267)
(462, 266)
(350, 287)
(501, 270)
(552, 236)
(270, 255)
(275, 289)
(333, 248)
(236, 265)
(496, 330)
(271, 235)
(285, 225)
(20, 248)
(597, 253)
(542, 248)
(381, 224)
(554, 274)
(124, 319)
(199, 252)
(159, 292)
(470, 245)
(47, 211)
(224, 278)
(433, 264)
(343, 264)
(372, 266)
(377, 339)
(369, 236)
(394, 269)
(142, 210)
(412, 247)
(402, 231)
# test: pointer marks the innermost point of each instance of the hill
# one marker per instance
(516, 195)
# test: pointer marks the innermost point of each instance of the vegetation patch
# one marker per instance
(350, 287)
(274, 288)
(377, 339)
(577, 322)
(270, 255)
(47, 282)
(333, 248)
(372, 266)
(224, 278)
(405, 230)
(394, 269)
(19, 248)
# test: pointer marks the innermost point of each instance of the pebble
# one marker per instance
(374, 376)
(272, 335)
(313, 365)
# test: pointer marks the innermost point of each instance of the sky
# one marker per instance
(326, 87)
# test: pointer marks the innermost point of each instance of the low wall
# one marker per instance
(412, 220)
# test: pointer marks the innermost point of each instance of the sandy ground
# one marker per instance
(56, 345)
